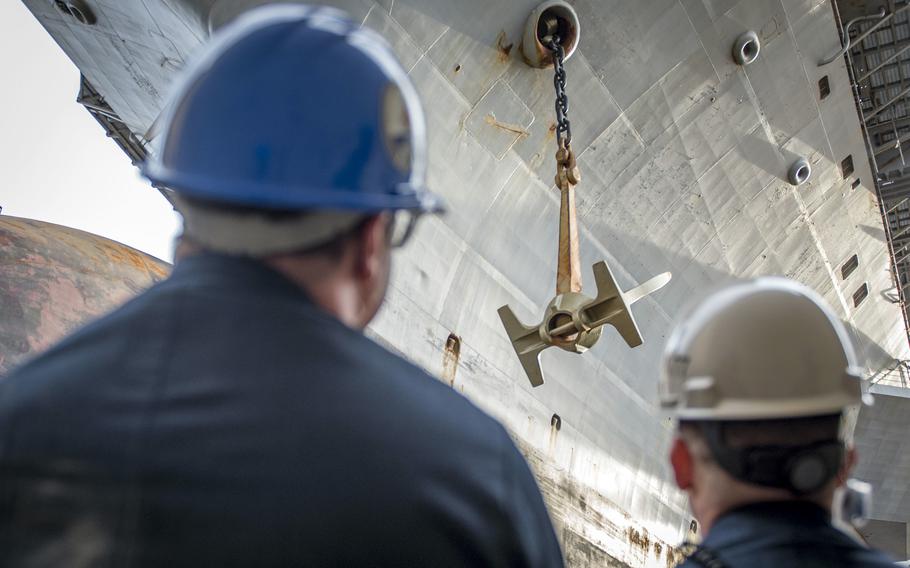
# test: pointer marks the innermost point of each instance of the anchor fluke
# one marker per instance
(527, 344)
(612, 305)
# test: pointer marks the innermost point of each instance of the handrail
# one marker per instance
(900, 367)
(845, 33)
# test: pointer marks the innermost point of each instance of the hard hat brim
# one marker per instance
(271, 196)
(771, 409)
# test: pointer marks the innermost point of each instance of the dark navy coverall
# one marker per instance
(221, 419)
(788, 534)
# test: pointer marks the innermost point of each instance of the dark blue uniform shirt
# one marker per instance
(788, 534)
(221, 419)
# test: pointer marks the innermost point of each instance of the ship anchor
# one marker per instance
(572, 320)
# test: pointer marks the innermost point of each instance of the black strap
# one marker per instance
(801, 469)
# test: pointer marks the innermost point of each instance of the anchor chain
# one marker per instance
(572, 321)
(563, 126)
(567, 171)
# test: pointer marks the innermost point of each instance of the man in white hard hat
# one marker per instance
(758, 376)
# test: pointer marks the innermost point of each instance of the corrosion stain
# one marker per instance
(508, 127)
(769, 30)
(639, 539)
(159, 271)
(675, 557)
(450, 359)
(124, 256)
(58, 313)
(551, 131)
(133, 258)
(555, 427)
(505, 49)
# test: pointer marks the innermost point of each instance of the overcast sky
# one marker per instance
(57, 164)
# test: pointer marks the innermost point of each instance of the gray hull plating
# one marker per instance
(685, 158)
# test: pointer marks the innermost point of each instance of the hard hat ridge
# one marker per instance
(762, 349)
(296, 108)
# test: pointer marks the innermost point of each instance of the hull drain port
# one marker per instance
(551, 18)
(78, 10)
(799, 172)
(746, 48)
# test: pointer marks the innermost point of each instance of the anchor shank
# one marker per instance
(568, 274)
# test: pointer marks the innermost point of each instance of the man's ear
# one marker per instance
(847, 468)
(373, 242)
(682, 462)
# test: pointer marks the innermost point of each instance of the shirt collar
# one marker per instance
(770, 516)
(226, 272)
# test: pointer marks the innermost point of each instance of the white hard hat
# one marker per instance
(768, 348)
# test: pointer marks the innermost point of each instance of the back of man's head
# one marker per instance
(758, 376)
(799, 458)
(340, 258)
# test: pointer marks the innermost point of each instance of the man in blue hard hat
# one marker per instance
(235, 414)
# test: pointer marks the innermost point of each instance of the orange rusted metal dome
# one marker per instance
(54, 279)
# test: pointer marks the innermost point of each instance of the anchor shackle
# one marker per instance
(565, 324)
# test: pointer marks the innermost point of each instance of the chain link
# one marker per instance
(563, 127)
(567, 172)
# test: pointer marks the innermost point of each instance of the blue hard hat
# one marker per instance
(293, 108)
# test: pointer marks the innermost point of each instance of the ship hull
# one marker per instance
(684, 156)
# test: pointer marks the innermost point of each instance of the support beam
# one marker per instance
(891, 145)
(889, 124)
(896, 206)
(892, 44)
(890, 102)
(890, 62)
(876, 89)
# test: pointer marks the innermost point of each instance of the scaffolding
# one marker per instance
(114, 127)
(895, 375)
(876, 45)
